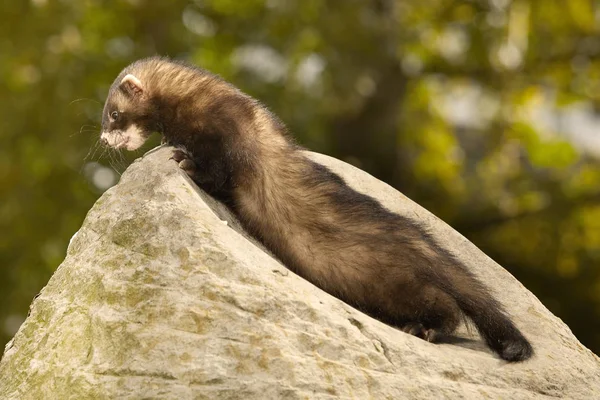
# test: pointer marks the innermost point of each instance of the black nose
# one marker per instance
(104, 141)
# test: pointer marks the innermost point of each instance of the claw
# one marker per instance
(187, 165)
(430, 335)
(179, 155)
(417, 329)
(414, 328)
(184, 161)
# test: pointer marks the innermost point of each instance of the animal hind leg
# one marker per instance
(442, 316)
(438, 315)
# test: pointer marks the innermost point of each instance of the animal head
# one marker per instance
(127, 116)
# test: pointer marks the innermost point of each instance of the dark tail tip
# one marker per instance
(512, 347)
(492, 322)
(518, 350)
(500, 333)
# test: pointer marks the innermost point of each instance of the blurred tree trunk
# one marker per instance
(369, 136)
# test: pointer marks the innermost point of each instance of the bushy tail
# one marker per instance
(487, 314)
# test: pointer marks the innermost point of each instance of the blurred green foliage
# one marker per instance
(483, 111)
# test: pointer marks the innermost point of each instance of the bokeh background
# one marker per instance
(486, 112)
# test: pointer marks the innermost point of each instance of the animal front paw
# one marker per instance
(184, 159)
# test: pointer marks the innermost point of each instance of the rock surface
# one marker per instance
(159, 298)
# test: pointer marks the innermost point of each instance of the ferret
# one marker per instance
(343, 241)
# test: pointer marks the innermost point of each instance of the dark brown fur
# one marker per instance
(343, 241)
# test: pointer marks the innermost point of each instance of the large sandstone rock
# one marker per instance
(159, 298)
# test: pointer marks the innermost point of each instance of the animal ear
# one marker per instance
(131, 85)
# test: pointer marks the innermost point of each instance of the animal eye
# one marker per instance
(114, 115)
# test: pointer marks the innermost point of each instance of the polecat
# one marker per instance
(343, 241)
